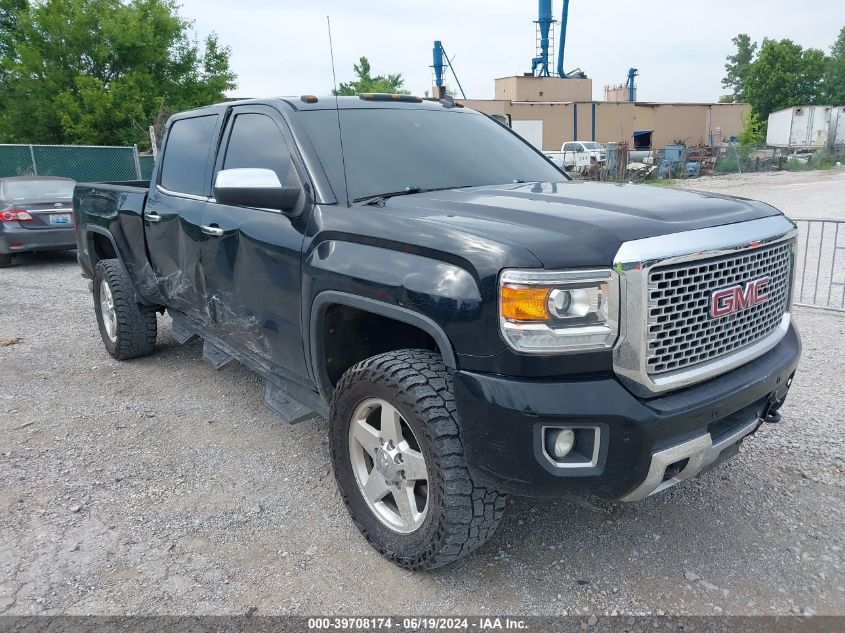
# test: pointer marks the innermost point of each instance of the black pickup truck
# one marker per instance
(470, 321)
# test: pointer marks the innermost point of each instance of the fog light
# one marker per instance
(563, 442)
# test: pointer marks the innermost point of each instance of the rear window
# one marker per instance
(186, 155)
(38, 189)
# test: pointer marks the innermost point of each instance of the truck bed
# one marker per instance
(110, 216)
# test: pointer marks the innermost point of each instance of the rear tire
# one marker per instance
(453, 516)
(5, 261)
(127, 328)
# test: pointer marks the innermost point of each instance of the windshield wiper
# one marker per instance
(378, 199)
(381, 197)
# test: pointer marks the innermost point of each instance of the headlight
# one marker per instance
(546, 312)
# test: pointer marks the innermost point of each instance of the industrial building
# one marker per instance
(549, 109)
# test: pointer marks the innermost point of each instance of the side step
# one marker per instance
(285, 406)
(214, 355)
(291, 400)
(181, 331)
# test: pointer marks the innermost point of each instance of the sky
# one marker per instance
(281, 47)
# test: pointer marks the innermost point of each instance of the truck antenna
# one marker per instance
(337, 109)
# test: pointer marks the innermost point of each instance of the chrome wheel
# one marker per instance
(107, 311)
(388, 465)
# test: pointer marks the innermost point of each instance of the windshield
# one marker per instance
(38, 189)
(393, 149)
(591, 145)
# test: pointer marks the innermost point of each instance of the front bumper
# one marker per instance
(645, 445)
(14, 239)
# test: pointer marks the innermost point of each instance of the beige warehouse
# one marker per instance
(561, 110)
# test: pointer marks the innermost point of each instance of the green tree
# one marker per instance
(100, 71)
(834, 75)
(9, 10)
(753, 130)
(783, 75)
(737, 67)
(392, 84)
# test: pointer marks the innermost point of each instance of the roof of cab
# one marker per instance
(355, 103)
(326, 103)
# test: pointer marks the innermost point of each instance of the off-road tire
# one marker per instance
(5, 261)
(461, 515)
(136, 324)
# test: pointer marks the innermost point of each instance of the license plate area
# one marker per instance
(60, 218)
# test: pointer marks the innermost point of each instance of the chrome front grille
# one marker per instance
(680, 329)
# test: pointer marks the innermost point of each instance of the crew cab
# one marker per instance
(471, 322)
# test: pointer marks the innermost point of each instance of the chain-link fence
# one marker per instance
(147, 164)
(83, 163)
(624, 164)
(740, 159)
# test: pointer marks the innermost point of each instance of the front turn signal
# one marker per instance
(525, 303)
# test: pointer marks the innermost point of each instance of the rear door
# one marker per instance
(174, 212)
(252, 270)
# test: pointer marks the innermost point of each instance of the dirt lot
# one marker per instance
(163, 486)
(806, 195)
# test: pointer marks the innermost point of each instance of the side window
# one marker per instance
(186, 155)
(569, 147)
(257, 142)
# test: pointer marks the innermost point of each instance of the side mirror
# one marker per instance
(258, 188)
(580, 149)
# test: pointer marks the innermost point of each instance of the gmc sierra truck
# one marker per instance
(470, 322)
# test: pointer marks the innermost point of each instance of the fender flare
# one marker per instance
(332, 297)
(89, 229)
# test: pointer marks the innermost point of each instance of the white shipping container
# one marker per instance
(807, 127)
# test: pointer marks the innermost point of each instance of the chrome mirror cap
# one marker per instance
(250, 178)
(255, 188)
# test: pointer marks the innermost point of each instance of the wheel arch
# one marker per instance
(100, 244)
(317, 340)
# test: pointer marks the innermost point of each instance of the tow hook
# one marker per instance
(773, 417)
(771, 410)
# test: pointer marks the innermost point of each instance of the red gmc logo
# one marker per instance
(737, 298)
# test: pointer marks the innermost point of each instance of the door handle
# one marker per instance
(214, 231)
(152, 217)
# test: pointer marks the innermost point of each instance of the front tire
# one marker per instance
(399, 462)
(128, 329)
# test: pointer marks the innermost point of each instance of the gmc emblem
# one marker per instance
(737, 298)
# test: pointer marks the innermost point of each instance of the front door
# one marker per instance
(174, 212)
(252, 269)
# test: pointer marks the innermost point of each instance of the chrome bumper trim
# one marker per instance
(700, 451)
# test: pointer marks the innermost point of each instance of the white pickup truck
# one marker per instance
(577, 155)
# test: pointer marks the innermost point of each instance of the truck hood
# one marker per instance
(575, 223)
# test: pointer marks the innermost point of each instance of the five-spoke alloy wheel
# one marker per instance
(389, 468)
(399, 462)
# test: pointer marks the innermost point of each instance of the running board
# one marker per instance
(287, 397)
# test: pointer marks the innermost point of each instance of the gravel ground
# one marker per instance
(162, 486)
(800, 194)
